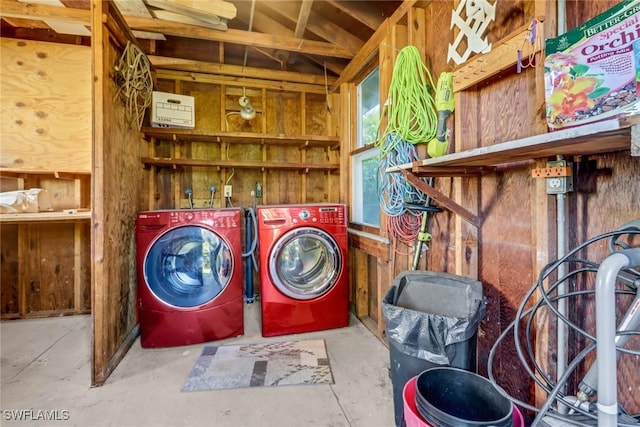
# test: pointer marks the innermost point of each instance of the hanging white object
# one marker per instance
(247, 112)
(479, 14)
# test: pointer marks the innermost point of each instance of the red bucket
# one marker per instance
(412, 417)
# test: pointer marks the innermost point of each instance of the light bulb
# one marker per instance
(247, 112)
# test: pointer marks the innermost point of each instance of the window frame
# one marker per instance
(360, 153)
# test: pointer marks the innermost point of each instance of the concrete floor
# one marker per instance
(45, 366)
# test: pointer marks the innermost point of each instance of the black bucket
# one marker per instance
(452, 397)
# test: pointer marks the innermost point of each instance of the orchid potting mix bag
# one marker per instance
(592, 72)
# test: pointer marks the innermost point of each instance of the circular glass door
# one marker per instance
(188, 266)
(305, 263)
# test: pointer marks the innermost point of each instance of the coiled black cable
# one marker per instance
(548, 300)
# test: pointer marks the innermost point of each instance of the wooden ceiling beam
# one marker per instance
(333, 66)
(203, 10)
(370, 49)
(27, 23)
(303, 18)
(244, 38)
(135, 8)
(177, 64)
(325, 30)
(301, 26)
(167, 15)
(15, 9)
(164, 9)
(264, 24)
(363, 14)
(240, 81)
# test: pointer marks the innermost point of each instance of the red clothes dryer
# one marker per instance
(189, 265)
(303, 268)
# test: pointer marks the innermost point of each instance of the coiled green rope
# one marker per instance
(411, 110)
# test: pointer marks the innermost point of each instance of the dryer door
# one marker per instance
(188, 266)
(305, 263)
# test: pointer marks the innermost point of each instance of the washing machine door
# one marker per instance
(188, 266)
(305, 263)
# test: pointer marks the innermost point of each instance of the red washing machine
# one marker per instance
(190, 281)
(303, 268)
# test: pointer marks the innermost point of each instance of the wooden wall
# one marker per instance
(45, 106)
(119, 193)
(517, 236)
(278, 148)
(45, 103)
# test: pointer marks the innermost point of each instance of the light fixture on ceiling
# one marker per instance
(247, 111)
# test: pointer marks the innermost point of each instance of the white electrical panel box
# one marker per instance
(169, 110)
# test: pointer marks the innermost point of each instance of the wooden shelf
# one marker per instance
(502, 56)
(19, 218)
(175, 163)
(301, 141)
(16, 173)
(600, 137)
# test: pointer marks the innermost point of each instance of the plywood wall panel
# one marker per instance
(46, 106)
(375, 299)
(60, 193)
(283, 113)
(284, 187)
(49, 275)
(316, 191)
(9, 293)
(199, 179)
(207, 104)
(578, 12)
(505, 269)
(605, 199)
(316, 115)
(319, 155)
(120, 190)
(506, 110)
(510, 14)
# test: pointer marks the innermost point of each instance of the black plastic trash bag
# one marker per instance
(431, 320)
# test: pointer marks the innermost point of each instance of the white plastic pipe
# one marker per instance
(562, 346)
(606, 333)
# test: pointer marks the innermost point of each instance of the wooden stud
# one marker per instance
(78, 236)
(362, 284)
(303, 153)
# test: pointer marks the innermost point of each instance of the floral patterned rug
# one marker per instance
(260, 365)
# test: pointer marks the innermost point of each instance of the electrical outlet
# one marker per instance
(228, 191)
(559, 184)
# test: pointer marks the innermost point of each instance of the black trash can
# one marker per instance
(431, 320)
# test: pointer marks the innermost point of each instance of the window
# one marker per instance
(365, 205)
(364, 165)
(369, 109)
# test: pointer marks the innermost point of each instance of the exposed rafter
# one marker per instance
(325, 30)
(166, 15)
(202, 10)
(303, 18)
(236, 70)
(14, 9)
(303, 36)
(301, 26)
(360, 11)
(137, 8)
(245, 38)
